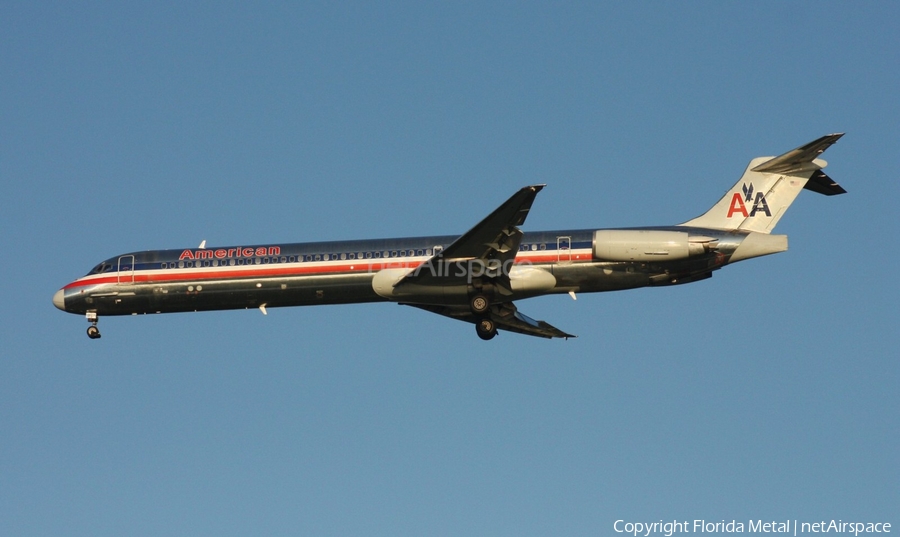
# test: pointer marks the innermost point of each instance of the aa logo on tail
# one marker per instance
(738, 205)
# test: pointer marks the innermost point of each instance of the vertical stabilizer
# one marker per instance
(768, 187)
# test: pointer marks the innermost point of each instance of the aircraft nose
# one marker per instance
(59, 300)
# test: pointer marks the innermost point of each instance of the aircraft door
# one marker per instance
(564, 249)
(126, 270)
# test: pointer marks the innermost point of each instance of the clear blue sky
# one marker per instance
(769, 391)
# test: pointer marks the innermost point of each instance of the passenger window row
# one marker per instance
(381, 254)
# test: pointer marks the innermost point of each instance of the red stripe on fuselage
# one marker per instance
(232, 273)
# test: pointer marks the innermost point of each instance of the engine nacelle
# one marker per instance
(648, 245)
(384, 281)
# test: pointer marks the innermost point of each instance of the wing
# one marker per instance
(495, 239)
(506, 316)
(492, 242)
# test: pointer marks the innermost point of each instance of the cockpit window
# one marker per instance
(101, 268)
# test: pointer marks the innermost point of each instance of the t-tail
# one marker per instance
(768, 187)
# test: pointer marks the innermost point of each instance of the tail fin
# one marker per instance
(769, 186)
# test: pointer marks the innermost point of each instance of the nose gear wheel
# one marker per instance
(93, 332)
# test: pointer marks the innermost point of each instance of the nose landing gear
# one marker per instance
(93, 332)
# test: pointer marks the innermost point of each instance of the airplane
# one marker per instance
(476, 277)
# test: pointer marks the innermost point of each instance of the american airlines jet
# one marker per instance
(476, 277)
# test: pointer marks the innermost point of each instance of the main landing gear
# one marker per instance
(93, 332)
(479, 304)
(486, 329)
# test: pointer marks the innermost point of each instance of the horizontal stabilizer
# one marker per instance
(821, 183)
(798, 160)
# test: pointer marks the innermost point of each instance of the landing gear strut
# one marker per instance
(93, 332)
(486, 329)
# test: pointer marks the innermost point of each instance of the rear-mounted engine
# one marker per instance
(648, 245)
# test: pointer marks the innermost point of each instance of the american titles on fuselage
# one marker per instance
(222, 253)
